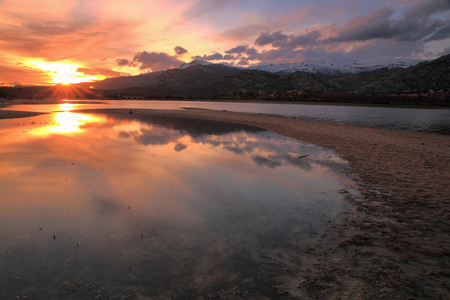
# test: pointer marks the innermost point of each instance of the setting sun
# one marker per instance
(63, 73)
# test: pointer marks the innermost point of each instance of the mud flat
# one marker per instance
(396, 242)
(12, 114)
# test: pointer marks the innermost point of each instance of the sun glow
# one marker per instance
(64, 123)
(62, 72)
(66, 106)
(71, 122)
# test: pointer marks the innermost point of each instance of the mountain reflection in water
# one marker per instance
(156, 207)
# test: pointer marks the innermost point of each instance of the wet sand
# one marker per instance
(12, 114)
(395, 244)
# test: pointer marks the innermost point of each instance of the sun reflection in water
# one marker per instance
(66, 106)
(65, 123)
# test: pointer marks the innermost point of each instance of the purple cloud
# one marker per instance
(243, 62)
(215, 56)
(251, 51)
(267, 38)
(237, 50)
(384, 35)
(300, 40)
(229, 57)
(440, 34)
(280, 40)
(180, 50)
(155, 61)
(416, 25)
(362, 28)
(122, 62)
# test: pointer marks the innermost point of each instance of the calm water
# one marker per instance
(409, 119)
(122, 208)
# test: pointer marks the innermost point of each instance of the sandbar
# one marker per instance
(13, 114)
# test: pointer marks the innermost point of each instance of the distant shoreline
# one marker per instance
(7, 102)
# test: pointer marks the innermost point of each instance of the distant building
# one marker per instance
(132, 97)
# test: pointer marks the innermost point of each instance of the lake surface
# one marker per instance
(409, 119)
(115, 207)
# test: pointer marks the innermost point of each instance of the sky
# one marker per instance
(67, 41)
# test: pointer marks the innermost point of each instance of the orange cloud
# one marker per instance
(102, 36)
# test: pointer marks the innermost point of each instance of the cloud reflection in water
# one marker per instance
(265, 152)
(177, 199)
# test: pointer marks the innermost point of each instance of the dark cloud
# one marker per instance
(415, 25)
(267, 38)
(362, 28)
(251, 51)
(240, 51)
(243, 62)
(294, 41)
(99, 71)
(215, 56)
(122, 62)
(385, 35)
(280, 40)
(124, 135)
(323, 53)
(180, 50)
(229, 57)
(179, 147)
(237, 50)
(385, 49)
(235, 150)
(440, 34)
(155, 61)
(427, 8)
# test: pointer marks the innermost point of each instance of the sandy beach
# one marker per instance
(395, 244)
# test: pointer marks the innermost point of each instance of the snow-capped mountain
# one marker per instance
(201, 79)
(194, 63)
(327, 68)
(334, 67)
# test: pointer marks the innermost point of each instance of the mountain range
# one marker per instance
(401, 82)
(325, 68)
(200, 79)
